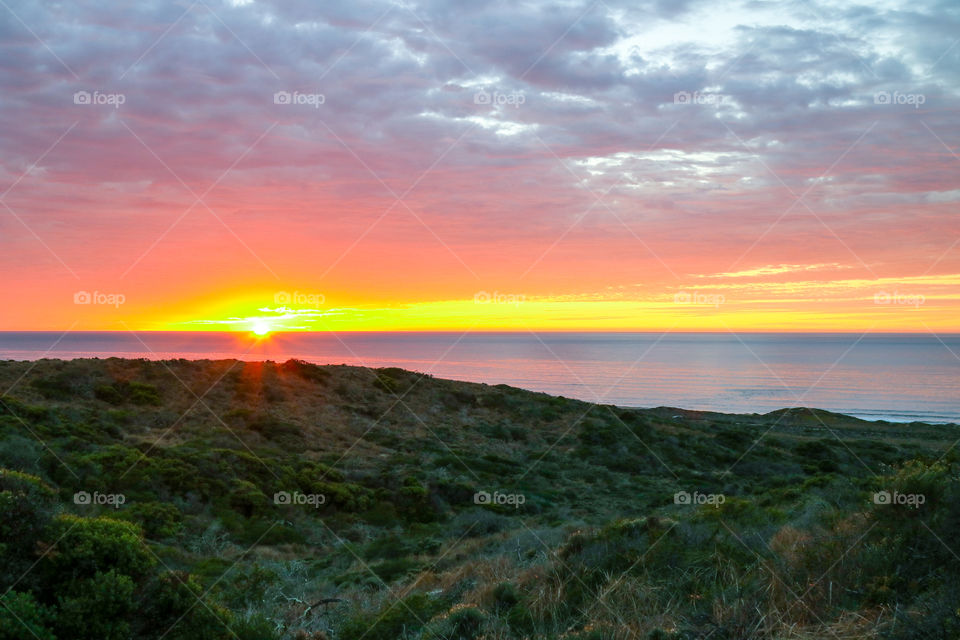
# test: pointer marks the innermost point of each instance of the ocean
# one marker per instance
(895, 377)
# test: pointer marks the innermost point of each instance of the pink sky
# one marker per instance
(596, 161)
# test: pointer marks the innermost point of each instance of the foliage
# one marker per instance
(398, 617)
(123, 391)
(22, 617)
(396, 542)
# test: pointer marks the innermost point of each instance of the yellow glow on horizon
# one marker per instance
(694, 312)
(909, 304)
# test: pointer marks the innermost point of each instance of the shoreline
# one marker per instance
(686, 413)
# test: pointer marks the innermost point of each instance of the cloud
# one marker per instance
(774, 270)
(582, 161)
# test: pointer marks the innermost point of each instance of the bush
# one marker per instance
(505, 595)
(26, 503)
(390, 570)
(88, 546)
(60, 386)
(273, 429)
(26, 507)
(255, 628)
(735, 439)
(122, 391)
(479, 522)
(406, 615)
(596, 433)
(20, 453)
(386, 383)
(815, 450)
(247, 499)
(171, 609)
(520, 619)
(158, 519)
(21, 617)
(306, 370)
(387, 547)
(908, 531)
(413, 502)
(97, 608)
(108, 393)
(461, 623)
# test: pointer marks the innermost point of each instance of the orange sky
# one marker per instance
(315, 168)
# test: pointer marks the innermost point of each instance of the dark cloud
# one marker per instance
(784, 90)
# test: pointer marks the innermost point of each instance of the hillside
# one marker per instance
(223, 499)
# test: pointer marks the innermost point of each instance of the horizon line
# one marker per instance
(524, 330)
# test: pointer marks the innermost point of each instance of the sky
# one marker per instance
(601, 164)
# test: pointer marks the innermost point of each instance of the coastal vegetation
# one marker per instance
(222, 499)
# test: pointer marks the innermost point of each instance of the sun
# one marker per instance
(261, 328)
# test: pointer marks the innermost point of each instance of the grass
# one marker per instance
(414, 507)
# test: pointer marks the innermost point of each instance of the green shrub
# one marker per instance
(344, 496)
(59, 386)
(815, 450)
(457, 399)
(26, 507)
(521, 619)
(131, 391)
(274, 429)
(497, 431)
(97, 608)
(269, 532)
(597, 433)
(461, 623)
(395, 568)
(306, 370)
(108, 393)
(413, 502)
(908, 531)
(735, 439)
(26, 503)
(660, 634)
(21, 618)
(158, 519)
(934, 614)
(505, 595)
(392, 546)
(173, 607)
(386, 383)
(88, 546)
(10, 406)
(248, 586)
(406, 615)
(247, 499)
(20, 453)
(254, 628)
